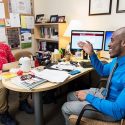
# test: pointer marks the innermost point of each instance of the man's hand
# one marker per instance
(86, 46)
(81, 94)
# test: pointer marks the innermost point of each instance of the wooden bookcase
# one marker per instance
(51, 33)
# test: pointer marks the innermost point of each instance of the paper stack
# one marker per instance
(52, 75)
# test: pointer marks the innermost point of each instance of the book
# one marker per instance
(28, 83)
(7, 75)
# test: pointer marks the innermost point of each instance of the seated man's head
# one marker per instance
(117, 44)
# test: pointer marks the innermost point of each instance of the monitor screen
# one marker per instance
(108, 35)
(95, 37)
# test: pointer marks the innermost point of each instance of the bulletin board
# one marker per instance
(18, 16)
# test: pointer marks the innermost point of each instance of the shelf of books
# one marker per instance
(49, 36)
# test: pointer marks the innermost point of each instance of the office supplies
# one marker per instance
(7, 75)
(63, 67)
(74, 63)
(74, 72)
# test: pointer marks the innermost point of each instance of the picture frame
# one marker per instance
(53, 19)
(61, 19)
(39, 18)
(100, 7)
(120, 7)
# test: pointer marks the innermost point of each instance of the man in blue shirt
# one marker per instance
(113, 107)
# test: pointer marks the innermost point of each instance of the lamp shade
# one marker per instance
(73, 25)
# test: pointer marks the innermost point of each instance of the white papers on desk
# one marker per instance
(52, 75)
(63, 67)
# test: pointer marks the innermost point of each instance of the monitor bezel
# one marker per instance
(105, 39)
(86, 31)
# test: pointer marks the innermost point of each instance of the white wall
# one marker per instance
(78, 9)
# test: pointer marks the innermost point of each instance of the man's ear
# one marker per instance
(123, 43)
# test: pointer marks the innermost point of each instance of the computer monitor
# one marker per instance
(108, 35)
(95, 37)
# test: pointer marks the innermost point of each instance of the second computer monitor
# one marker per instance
(108, 35)
(95, 37)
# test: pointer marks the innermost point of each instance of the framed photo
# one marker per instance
(53, 18)
(120, 7)
(100, 7)
(61, 19)
(39, 18)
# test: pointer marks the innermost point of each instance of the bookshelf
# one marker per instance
(50, 34)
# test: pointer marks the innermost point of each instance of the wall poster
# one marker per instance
(26, 38)
(13, 37)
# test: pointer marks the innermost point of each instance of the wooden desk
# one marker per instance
(37, 91)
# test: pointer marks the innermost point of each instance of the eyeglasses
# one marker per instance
(26, 77)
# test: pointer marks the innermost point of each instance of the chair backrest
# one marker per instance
(20, 54)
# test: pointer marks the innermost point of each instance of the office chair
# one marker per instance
(88, 121)
(20, 54)
(79, 120)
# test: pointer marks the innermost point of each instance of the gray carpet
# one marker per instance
(52, 112)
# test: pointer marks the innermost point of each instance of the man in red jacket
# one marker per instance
(6, 56)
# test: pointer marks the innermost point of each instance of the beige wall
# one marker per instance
(78, 9)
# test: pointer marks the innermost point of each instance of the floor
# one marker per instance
(28, 119)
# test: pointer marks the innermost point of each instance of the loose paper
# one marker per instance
(51, 75)
(27, 22)
(14, 20)
(2, 35)
(20, 6)
(2, 11)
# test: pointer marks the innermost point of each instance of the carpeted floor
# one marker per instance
(52, 112)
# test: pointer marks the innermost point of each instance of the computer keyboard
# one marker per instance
(85, 64)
